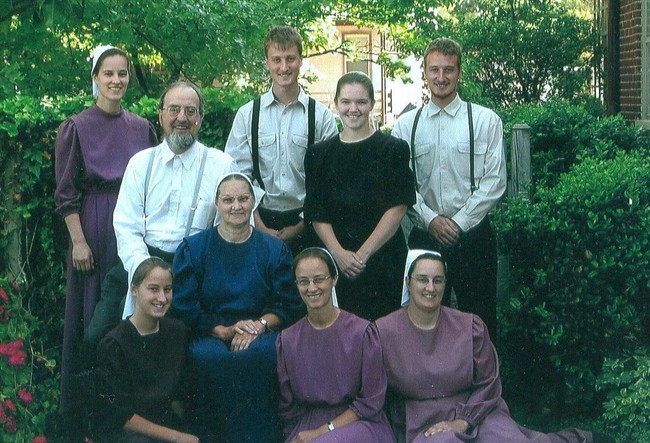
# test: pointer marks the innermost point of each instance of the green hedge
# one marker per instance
(579, 280)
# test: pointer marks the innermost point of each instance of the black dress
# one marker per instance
(141, 375)
(351, 186)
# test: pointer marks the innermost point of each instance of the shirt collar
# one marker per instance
(268, 98)
(187, 158)
(451, 109)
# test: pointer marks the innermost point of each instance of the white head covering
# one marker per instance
(335, 300)
(258, 192)
(410, 258)
(99, 50)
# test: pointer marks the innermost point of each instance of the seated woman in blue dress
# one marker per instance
(233, 287)
(143, 366)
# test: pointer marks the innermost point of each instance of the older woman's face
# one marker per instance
(235, 202)
(427, 285)
(314, 282)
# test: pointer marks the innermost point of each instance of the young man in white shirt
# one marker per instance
(459, 162)
(268, 139)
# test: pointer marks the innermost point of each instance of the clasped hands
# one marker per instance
(458, 425)
(445, 231)
(350, 263)
(240, 335)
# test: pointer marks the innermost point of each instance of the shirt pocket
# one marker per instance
(423, 161)
(462, 161)
(298, 151)
(267, 150)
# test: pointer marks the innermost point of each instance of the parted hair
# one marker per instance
(284, 37)
(445, 46)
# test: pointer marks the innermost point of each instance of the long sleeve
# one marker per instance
(237, 144)
(486, 383)
(285, 301)
(68, 165)
(370, 398)
(492, 185)
(188, 277)
(114, 387)
(289, 409)
(129, 216)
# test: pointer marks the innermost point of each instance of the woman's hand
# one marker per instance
(349, 263)
(306, 436)
(242, 341)
(248, 326)
(459, 426)
(82, 257)
(186, 438)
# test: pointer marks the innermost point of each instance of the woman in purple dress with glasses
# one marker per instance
(443, 372)
(332, 380)
(92, 150)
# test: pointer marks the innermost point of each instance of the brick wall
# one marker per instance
(630, 57)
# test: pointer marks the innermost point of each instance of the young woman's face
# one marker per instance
(112, 78)
(354, 106)
(154, 294)
(426, 285)
(314, 282)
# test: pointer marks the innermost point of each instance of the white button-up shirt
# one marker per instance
(162, 223)
(443, 167)
(283, 133)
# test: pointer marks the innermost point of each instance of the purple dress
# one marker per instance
(450, 372)
(323, 372)
(92, 151)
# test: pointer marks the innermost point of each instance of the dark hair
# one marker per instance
(315, 253)
(186, 84)
(355, 77)
(235, 176)
(144, 269)
(284, 37)
(108, 53)
(426, 256)
(445, 46)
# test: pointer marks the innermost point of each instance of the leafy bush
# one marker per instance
(24, 402)
(626, 381)
(563, 134)
(28, 129)
(580, 279)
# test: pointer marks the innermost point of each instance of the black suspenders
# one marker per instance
(255, 125)
(470, 123)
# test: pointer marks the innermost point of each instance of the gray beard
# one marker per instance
(179, 143)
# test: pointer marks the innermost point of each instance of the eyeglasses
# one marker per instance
(423, 280)
(174, 110)
(304, 282)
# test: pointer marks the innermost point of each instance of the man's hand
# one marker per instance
(445, 231)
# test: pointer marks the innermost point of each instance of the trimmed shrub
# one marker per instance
(626, 381)
(579, 280)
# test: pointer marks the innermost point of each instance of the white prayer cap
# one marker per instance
(410, 258)
(97, 53)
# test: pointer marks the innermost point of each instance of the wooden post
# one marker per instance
(520, 176)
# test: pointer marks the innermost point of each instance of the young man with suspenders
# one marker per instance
(458, 158)
(270, 136)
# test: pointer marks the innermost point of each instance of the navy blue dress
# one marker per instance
(220, 283)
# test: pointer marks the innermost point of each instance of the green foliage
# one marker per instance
(580, 279)
(28, 389)
(564, 133)
(626, 381)
(543, 50)
(27, 132)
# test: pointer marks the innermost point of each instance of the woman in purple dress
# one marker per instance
(92, 150)
(443, 372)
(332, 381)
